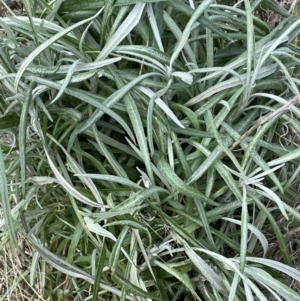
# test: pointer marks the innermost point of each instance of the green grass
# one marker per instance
(149, 151)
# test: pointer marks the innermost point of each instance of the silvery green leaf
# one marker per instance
(254, 230)
(161, 104)
(97, 229)
(184, 76)
(45, 45)
(42, 180)
(124, 29)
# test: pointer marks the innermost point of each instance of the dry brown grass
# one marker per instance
(292, 236)
(11, 7)
(273, 19)
(14, 273)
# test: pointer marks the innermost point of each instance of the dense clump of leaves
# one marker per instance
(147, 145)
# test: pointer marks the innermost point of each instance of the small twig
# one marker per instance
(264, 119)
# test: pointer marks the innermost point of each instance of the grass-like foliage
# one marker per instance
(150, 150)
